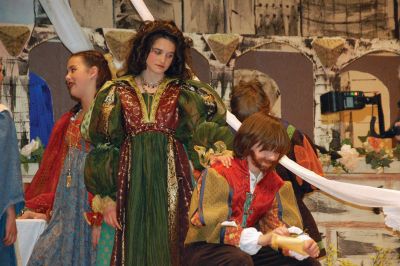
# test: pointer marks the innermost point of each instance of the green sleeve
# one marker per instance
(202, 120)
(103, 127)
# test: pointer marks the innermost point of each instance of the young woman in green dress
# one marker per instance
(144, 127)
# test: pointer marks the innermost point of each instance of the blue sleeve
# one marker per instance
(11, 190)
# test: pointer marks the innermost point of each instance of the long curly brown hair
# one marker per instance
(147, 34)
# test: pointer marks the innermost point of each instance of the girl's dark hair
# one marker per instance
(148, 33)
(94, 58)
(263, 129)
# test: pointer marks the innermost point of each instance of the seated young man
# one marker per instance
(249, 97)
(234, 212)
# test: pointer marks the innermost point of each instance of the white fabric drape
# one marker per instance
(66, 26)
(358, 194)
(388, 199)
(68, 29)
(142, 9)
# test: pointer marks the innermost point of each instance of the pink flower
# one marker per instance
(349, 157)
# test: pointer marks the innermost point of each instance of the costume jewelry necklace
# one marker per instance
(148, 84)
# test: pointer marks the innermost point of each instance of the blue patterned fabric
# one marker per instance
(11, 192)
(105, 245)
(67, 238)
(41, 119)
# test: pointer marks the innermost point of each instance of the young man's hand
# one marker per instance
(265, 240)
(311, 247)
(224, 159)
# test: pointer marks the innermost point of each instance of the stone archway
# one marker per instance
(382, 64)
(49, 60)
(357, 122)
(374, 72)
(295, 80)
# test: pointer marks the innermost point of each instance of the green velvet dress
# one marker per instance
(143, 144)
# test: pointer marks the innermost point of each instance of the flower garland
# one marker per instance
(373, 150)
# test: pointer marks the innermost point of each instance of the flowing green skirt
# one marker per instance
(147, 234)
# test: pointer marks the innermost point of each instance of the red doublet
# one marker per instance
(238, 177)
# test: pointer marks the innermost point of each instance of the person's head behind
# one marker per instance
(86, 71)
(165, 35)
(248, 98)
(263, 139)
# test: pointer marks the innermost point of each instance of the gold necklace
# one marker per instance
(148, 84)
(69, 175)
(70, 155)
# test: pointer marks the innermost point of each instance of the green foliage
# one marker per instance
(378, 159)
(363, 138)
(338, 165)
(347, 142)
(361, 151)
(396, 152)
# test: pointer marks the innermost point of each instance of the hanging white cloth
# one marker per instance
(142, 9)
(66, 26)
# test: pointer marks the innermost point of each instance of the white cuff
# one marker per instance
(249, 241)
(295, 230)
(299, 232)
